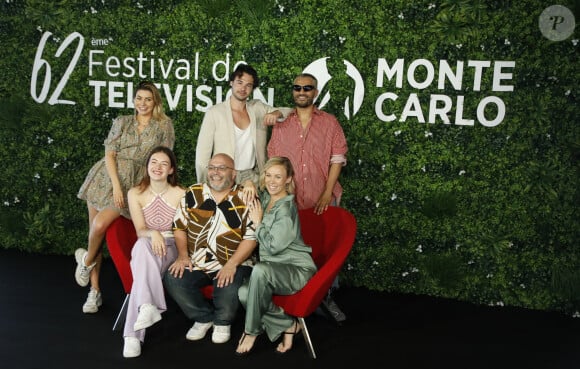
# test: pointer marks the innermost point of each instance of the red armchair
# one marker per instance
(331, 236)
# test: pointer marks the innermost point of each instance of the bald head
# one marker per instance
(221, 173)
(222, 158)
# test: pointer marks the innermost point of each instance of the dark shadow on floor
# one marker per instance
(42, 326)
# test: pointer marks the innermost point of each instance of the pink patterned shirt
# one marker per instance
(159, 214)
(311, 151)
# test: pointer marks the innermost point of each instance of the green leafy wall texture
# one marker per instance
(480, 212)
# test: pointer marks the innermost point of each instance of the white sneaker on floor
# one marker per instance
(82, 272)
(221, 334)
(132, 347)
(94, 300)
(198, 331)
(148, 315)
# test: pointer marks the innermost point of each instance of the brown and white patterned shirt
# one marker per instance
(214, 231)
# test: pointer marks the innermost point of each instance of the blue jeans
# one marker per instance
(186, 292)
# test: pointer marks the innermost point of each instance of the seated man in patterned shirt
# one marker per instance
(215, 245)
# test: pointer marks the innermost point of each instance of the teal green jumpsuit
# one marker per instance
(284, 267)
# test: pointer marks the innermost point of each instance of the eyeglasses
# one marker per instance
(220, 168)
(306, 88)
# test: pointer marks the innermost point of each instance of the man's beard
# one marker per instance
(225, 185)
(304, 104)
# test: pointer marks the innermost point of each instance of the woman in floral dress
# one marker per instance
(130, 140)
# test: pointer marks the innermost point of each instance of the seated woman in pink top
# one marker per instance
(152, 204)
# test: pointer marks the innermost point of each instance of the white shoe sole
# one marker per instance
(220, 339)
(194, 336)
(79, 257)
(90, 310)
(146, 323)
(131, 348)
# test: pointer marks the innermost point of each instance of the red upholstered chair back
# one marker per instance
(120, 239)
(331, 236)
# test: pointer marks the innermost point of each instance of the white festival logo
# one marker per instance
(319, 69)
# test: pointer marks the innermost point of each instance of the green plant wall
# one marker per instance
(486, 214)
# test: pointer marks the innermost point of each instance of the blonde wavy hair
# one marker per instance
(283, 161)
(158, 111)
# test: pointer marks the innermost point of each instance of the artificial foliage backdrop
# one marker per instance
(484, 211)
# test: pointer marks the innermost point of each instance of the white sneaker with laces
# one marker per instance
(94, 300)
(82, 272)
(198, 331)
(148, 315)
(132, 347)
(221, 334)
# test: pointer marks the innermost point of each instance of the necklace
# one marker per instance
(143, 119)
(159, 193)
(142, 124)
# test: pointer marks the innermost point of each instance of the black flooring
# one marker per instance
(42, 326)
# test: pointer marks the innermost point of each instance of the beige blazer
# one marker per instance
(217, 134)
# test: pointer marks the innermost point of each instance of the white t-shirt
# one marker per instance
(245, 154)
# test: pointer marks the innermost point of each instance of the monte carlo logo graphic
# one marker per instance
(319, 69)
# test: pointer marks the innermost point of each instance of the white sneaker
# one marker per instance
(148, 315)
(132, 347)
(221, 334)
(198, 331)
(94, 300)
(82, 272)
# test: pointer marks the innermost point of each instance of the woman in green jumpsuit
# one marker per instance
(285, 262)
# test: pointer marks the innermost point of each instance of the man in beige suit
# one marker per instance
(238, 127)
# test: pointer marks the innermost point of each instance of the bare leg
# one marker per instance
(99, 221)
(96, 272)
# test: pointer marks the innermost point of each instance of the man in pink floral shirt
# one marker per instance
(314, 142)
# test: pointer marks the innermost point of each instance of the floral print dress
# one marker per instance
(132, 150)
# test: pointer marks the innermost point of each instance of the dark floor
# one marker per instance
(42, 326)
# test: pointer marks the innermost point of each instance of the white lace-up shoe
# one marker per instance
(221, 334)
(148, 315)
(94, 300)
(132, 347)
(82, 272)
(198, 331)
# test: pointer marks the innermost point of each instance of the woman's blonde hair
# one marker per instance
(283, 161)
(158, 111)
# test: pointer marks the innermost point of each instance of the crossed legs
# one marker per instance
(99, 221)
